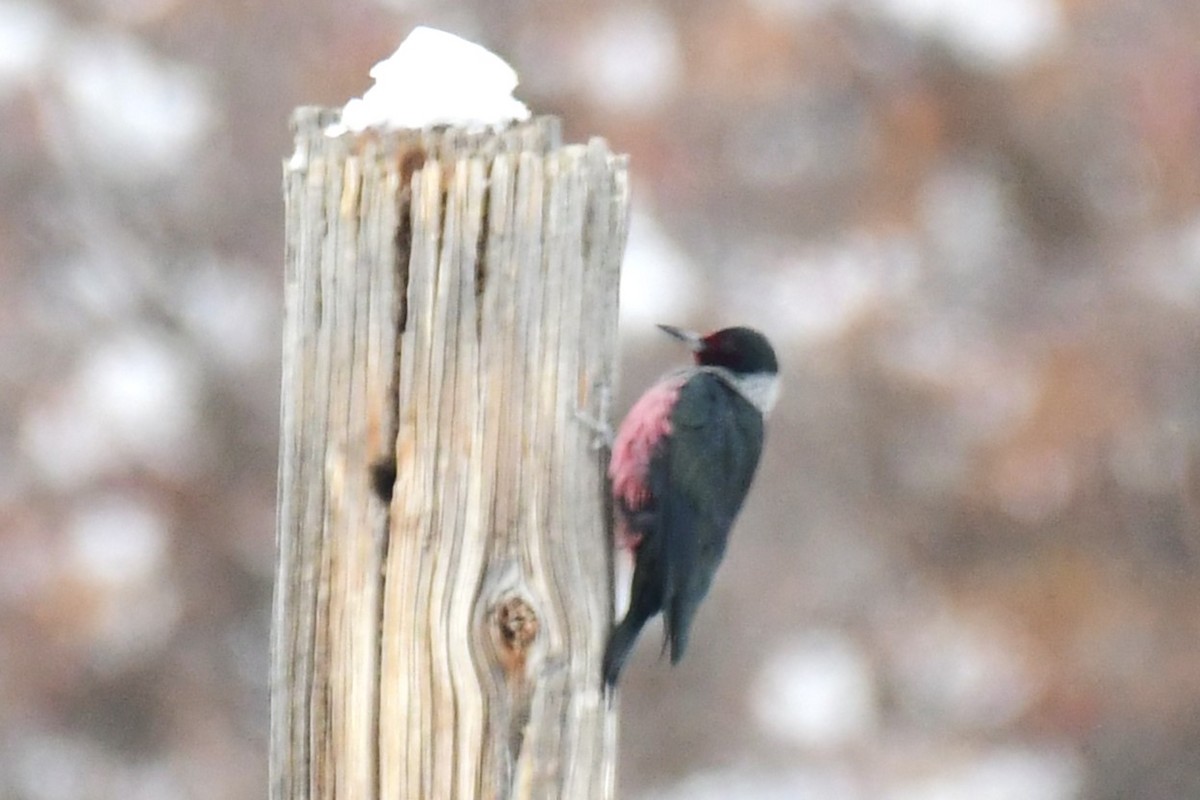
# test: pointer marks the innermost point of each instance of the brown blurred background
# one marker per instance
(971, 565)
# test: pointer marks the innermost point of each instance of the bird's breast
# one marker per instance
(640, 434)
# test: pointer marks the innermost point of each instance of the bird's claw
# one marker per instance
(602, 431)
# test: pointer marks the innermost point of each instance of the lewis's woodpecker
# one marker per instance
(682, 462)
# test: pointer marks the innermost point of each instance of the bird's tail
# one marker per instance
(620, 643)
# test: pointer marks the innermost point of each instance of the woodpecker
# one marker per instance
(682, 462)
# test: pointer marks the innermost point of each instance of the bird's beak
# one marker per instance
(694, 341)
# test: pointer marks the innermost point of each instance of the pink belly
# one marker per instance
(637, 439)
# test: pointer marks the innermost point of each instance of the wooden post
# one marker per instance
(443, 582)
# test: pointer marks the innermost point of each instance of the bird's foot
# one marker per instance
(602, 431)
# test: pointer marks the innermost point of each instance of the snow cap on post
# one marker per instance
(436, 78)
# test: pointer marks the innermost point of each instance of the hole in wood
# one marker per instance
(383, 479)
(410, 162)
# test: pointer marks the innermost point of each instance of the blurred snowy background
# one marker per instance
(971, 567)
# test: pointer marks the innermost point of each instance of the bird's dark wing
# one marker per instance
(702, 478)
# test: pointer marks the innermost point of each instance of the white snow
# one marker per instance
(118, 546)
(969, 221)
(823, 781)
(793, 10)
(232, 309)
(436, 78)
(963, 672)
(817, 691)
(117, 540)
(1167, 267)
(631, 59)
(135, 113)
(994, 35)
(132, 401)
(1048, 772)
(813, 293)
(67, 765)
(658, 279)
(27, 33)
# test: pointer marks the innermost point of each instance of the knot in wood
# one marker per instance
(515, 627)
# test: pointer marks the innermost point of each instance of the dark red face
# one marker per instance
(741, 350)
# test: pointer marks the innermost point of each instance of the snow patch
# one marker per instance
(658, 282)
(818, 691)
(232, 309)
(116, 540)
(435, 78)
(963, 672)
(27, 31)
(135, 114)
(811, 294)
(995, 35)
(1004, 773)
(751, 782)
(631, 59)
(132, 401)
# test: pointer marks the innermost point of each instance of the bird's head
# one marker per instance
(742, 352)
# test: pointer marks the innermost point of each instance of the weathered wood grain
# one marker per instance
(442, 592)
